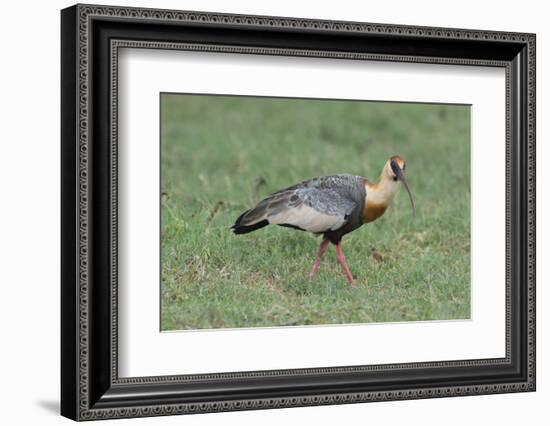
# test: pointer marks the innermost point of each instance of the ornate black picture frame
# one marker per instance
(91, 36)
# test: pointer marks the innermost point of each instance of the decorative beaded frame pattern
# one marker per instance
(86, 13)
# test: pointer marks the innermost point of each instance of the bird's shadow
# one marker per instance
(50, 406)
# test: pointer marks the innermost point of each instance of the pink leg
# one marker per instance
(342, 260)
(317, 264)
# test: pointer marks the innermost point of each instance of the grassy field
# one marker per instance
(221, 155)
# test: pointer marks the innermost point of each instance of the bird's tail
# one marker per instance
(245, 223)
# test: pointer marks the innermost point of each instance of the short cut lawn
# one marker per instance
(220, 155)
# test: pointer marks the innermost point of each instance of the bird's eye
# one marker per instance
(394, 167)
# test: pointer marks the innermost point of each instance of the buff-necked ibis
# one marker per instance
(329, 205)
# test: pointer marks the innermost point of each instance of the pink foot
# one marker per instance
(342, 260)
(317, 264)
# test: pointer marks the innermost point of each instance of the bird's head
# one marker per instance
(395, 170)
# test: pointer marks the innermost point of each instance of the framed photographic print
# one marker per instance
(263, 212)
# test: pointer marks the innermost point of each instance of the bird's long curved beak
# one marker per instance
(401, 177)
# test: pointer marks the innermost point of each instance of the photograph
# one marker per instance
(266, 209)
(280, 212)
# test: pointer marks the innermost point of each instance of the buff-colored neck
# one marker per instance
(379, 195)
(383, 191)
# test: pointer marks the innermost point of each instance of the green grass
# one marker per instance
(221, 155)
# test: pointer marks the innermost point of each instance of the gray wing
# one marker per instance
(316, 205)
